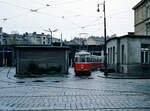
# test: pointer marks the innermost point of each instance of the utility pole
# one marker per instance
(51, 35)
(105, 39)
(61, 41)
(51, 32)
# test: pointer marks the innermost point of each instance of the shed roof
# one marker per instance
(40, 46)
(129, 36)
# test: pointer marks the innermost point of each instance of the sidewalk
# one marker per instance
(125, 76)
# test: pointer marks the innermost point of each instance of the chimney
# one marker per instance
(131, 33)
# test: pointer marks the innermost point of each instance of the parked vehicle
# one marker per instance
(85, 63)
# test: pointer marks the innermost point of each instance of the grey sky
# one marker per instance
(70, 17)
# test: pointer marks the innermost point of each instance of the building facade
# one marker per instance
(142, 17)
(94, 41)
(129, 54)
(39, 39)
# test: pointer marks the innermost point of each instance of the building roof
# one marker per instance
(139, 4)
(99, 39)
(129, 36)
(77, 41)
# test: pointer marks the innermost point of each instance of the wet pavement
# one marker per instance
(71, 93)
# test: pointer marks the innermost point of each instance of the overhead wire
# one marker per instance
(14, 5)
(68, 2)
(89, 24)
(37, 10)
(60, 17)
(17, 16)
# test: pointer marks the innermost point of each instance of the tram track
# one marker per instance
(13, 81)
(7, 75)
(2, 68)
(89, 90)
(83, 89)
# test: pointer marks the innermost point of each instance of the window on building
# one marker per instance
(122, 54)
(147, 11)
(108, 56)
(113, 55)
(144, 54)
(43, 42)
(148, 29)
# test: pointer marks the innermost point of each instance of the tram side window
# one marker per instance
(88, 59)
(100, 60)
(82, 59)
(76, 59)
(91, 59)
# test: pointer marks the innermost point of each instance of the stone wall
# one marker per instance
(141, 19)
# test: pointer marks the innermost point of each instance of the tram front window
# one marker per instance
(82, 59)
(77, 59)
(88, 59)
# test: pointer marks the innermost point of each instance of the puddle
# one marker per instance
(20, 82)
(55, 81)
(38, 81)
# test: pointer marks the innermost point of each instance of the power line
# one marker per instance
(119, 13)
(36, 11)
(51, 15)
(68, 2)
(18, 6)
(15, 17)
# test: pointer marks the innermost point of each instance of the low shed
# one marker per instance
(129, 54)
(41, 59)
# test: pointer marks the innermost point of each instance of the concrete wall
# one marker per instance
(134, 63)
(132, 55)
(42, 57)
(111, 65)
(134, 52)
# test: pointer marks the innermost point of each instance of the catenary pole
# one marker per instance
(105, 39)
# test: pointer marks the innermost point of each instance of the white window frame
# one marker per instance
(148, 11)
(144, 50)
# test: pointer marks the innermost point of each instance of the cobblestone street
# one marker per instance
(72, 93)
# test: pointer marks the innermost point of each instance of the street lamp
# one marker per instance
(105, 39)
(51, 32)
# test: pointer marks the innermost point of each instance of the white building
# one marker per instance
(40, 39)
(94, 41)
(129, 54)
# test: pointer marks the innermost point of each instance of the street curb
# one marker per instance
(111, 77)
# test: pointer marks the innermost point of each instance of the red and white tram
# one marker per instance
(85, 63)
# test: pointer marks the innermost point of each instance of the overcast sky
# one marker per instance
(70, 17)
